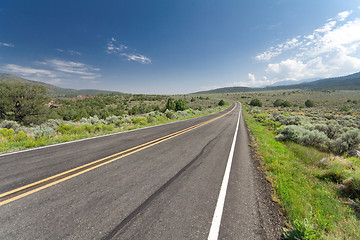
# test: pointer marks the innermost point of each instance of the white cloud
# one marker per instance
(32, 73)
(343, 15)
(137, 58)
(59, 50)
(113, 47)
(251, 77)
(331, 50)
(7, 44)
(85, 71)
(26, 71)
(72, 52)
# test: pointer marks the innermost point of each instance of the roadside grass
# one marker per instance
(9, 143)
(309, 199)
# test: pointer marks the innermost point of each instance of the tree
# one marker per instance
(256, 102)
(180, 105)
(170, 104)
(221, 103)
(22, 102)
(277, 102)
(309, 103)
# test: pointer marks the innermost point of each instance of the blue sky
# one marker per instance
(175, 47)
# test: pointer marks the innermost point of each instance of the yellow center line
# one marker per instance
(97, 163)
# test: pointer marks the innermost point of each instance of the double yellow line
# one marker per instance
(26, 190)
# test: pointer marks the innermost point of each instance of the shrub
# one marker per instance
(20, 136)
(256, 102)
(282, 103)
(64, 128)
(169, 114)
(352, 186)
(7, 133)
(303, 136)
(112, 119)
(40, 131)
(139, 120)
(170, 104)
(335, 173)
(309, 103)
(344, 108)
(221, 103)
(180, 105)
(302, 231)
(10, 124)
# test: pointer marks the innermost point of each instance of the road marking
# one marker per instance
(215, 225)
(28, 189)
(90, 138)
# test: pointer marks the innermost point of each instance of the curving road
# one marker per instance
(160, 182)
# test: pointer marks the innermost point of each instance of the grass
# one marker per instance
(294, 171)
(7, 145)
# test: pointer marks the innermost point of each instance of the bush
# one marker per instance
(221, 103)
(169, 114)
(281, 103)
(309, 103)
(7, 133)
(180, 105)
(302, 231)
(10, 124)
(303, 136)
(352, 186)
(20, 136)
(256, 102)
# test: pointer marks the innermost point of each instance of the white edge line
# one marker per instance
(215, 225)
(85, 139)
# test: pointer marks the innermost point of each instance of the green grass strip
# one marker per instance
(293, 170)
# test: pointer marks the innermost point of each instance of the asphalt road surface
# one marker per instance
(161, 182)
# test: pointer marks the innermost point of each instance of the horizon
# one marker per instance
(178, 47)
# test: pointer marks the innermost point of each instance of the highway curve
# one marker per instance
(162, 182)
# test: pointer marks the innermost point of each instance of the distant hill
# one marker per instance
(291, 82)
(53, 90)
(349, 82)
(228, 90)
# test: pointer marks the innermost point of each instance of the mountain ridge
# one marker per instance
(53, 90)
(348, 82)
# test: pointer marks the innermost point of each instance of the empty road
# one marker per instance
(162, 182)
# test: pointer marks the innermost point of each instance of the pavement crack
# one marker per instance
(153, 196)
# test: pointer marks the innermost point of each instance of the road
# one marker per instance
(160, 182)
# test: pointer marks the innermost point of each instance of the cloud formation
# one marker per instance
(53, 71)
(71, 52)
(6, 44)
(83, 70)
(330, 50)
(113, 47)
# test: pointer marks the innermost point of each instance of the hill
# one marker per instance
(349, 82)
(229, 90)
(53, 90)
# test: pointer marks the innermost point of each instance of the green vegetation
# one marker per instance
(256, 102)
(319, 192)
(282, 103)
(22, 102)
(309, 103)
(221, 103)
(29, 118)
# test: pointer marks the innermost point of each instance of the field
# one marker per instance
(306, 153)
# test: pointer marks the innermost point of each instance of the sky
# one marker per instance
(178, 47)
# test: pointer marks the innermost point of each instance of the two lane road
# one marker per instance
(161, 182)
